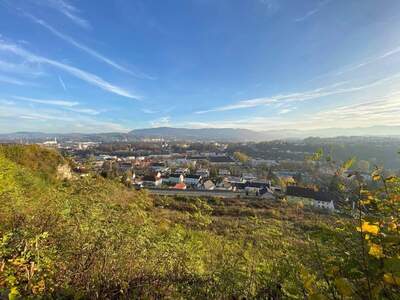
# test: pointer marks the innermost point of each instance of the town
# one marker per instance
(215, 169)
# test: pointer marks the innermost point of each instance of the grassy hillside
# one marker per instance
(93, 238)
(42, 161)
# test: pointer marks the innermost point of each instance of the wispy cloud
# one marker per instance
(55, 102)
(88, 111)
(20, 69)
(62, 83)
(272, 5)
(359, 65)
(67, 9)
(368, 61)
(149, 111)
(163, 121)
(383, 110)
(11, 80)
(86, 49)
(285, 111)
(301, 96)
(65, 104)
(52, 120)
(76, 72)
(313, 11)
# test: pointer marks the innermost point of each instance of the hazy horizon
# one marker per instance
(72, 66)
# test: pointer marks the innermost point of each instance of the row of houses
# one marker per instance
(156, 180)
(319, 199)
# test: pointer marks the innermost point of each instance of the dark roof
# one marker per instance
(158, 164)
(239, 185)
(325, 196)
(198, 157)
(177, 175)
(221, 159)
(193, 176)
(298, 191)
(257, 184)
(149, 178)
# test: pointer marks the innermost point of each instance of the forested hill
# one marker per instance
(92, 238)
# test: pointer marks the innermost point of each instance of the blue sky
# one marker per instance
(99, 66)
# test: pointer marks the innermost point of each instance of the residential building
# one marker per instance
(205, 173)
(182, 171)
(180, 186)
(224, 172)
(248, 177)
(151, 181)
(159, 167)
(209, 185)
(192, 179)
(221, 160)
(319, 199)
(175, 178)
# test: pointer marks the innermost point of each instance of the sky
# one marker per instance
(112, 66)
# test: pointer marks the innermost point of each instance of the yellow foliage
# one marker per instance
(375, 250)
(376, 176)
(391, 279)
(370, 228)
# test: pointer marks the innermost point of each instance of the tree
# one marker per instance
(240, 156)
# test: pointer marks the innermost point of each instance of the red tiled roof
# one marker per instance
(180, 186)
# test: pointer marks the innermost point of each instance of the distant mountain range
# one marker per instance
(245, 135)
(205, 134)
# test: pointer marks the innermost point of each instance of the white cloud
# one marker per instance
(383, 110)
(161, 122)
(55, 102)
(301, 96)
(69, 105)
(78, 73)
(285, 111)
(88, 50)
(149, 111)
(62, 83)
(307, 15)
(88, 111)
(312, 12)
(11, 80)
(354, 67)
(67, 10)
(20, 69)
(52, 120)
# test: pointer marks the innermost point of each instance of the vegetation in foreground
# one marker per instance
(93, 238)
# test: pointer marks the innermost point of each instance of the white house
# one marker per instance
(319, 199)
(324, 200)
(324, 204)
